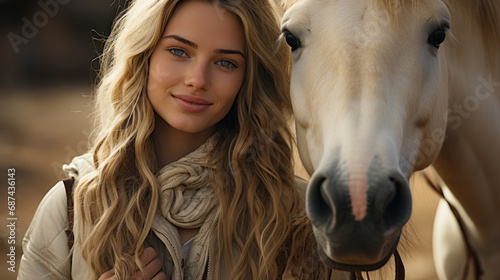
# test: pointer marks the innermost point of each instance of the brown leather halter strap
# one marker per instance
(68, 185)
(471, 255)
(400, 270)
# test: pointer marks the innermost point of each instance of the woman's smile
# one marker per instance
(191, 104)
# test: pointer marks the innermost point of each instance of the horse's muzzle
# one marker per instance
(349, 243)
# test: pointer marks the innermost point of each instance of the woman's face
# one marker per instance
(197, 68)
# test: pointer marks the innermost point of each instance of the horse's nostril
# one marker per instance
(329, 205)
(399, 207)
(318, 202)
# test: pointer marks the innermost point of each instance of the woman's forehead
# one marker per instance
(203, 21)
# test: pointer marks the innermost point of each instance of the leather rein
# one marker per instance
(400, 270)
(471, 258)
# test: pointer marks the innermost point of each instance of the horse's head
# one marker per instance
(369, 99)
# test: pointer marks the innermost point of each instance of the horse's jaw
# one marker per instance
(358, 264)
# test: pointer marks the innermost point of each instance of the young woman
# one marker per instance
(190, 174)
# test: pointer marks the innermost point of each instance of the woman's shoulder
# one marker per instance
(47, 228)
(50, 218)
(45, 249)
(79, 166)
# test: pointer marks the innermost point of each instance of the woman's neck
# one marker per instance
(172, 144)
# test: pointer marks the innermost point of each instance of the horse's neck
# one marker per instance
(470, 158)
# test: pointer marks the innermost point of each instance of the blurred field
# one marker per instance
(41, 130)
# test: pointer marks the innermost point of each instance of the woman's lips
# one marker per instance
(191, 104)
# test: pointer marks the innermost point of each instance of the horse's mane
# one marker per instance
(285, 4)
(487, 14)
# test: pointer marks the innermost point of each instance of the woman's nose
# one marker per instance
(197, 76)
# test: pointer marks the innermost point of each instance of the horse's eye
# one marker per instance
(292, 41)
(437, 37)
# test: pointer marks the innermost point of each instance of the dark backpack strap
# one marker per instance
(68, 184)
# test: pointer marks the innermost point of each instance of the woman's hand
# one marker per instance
(152, 268)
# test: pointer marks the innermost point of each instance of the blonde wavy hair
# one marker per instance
(258, 202)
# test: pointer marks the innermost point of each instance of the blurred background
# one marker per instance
(48, 55)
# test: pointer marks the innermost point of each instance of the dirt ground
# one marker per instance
(42, 130)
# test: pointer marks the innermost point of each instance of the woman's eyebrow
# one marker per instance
(182, 40)
(195, 46)
(223, 51)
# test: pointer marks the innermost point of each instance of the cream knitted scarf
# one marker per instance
(188, 200)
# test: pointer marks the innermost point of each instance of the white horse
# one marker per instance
(378, 93)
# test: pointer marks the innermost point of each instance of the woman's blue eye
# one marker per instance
(177, 52)
(226, 64)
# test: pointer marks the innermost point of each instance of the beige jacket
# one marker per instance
(45, 249)
(46, 253)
